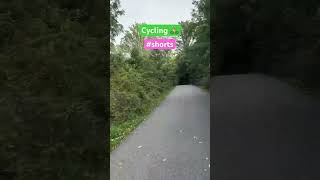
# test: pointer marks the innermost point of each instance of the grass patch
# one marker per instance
(120, 130)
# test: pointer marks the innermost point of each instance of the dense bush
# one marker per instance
(52, 86)
(138, 79)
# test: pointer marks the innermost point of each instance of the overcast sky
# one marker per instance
(154, 12)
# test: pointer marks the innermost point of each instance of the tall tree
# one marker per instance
(115, 12)
(187, 35)
(194, 58)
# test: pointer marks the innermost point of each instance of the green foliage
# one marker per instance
(120, 130)
(52, 86)
(138, 78)
(132, 40)
(115, 12)
(194, 55)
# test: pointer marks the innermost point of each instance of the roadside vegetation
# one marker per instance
(120, 130)
(52, 90)
(141, 79)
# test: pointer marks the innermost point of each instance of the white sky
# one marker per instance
(154, 12)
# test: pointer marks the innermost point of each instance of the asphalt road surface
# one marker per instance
(263, 129)
(172, 144)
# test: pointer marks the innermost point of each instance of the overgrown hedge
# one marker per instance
(134, 87)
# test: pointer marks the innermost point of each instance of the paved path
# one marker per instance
(263, 130)
(172, 144)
